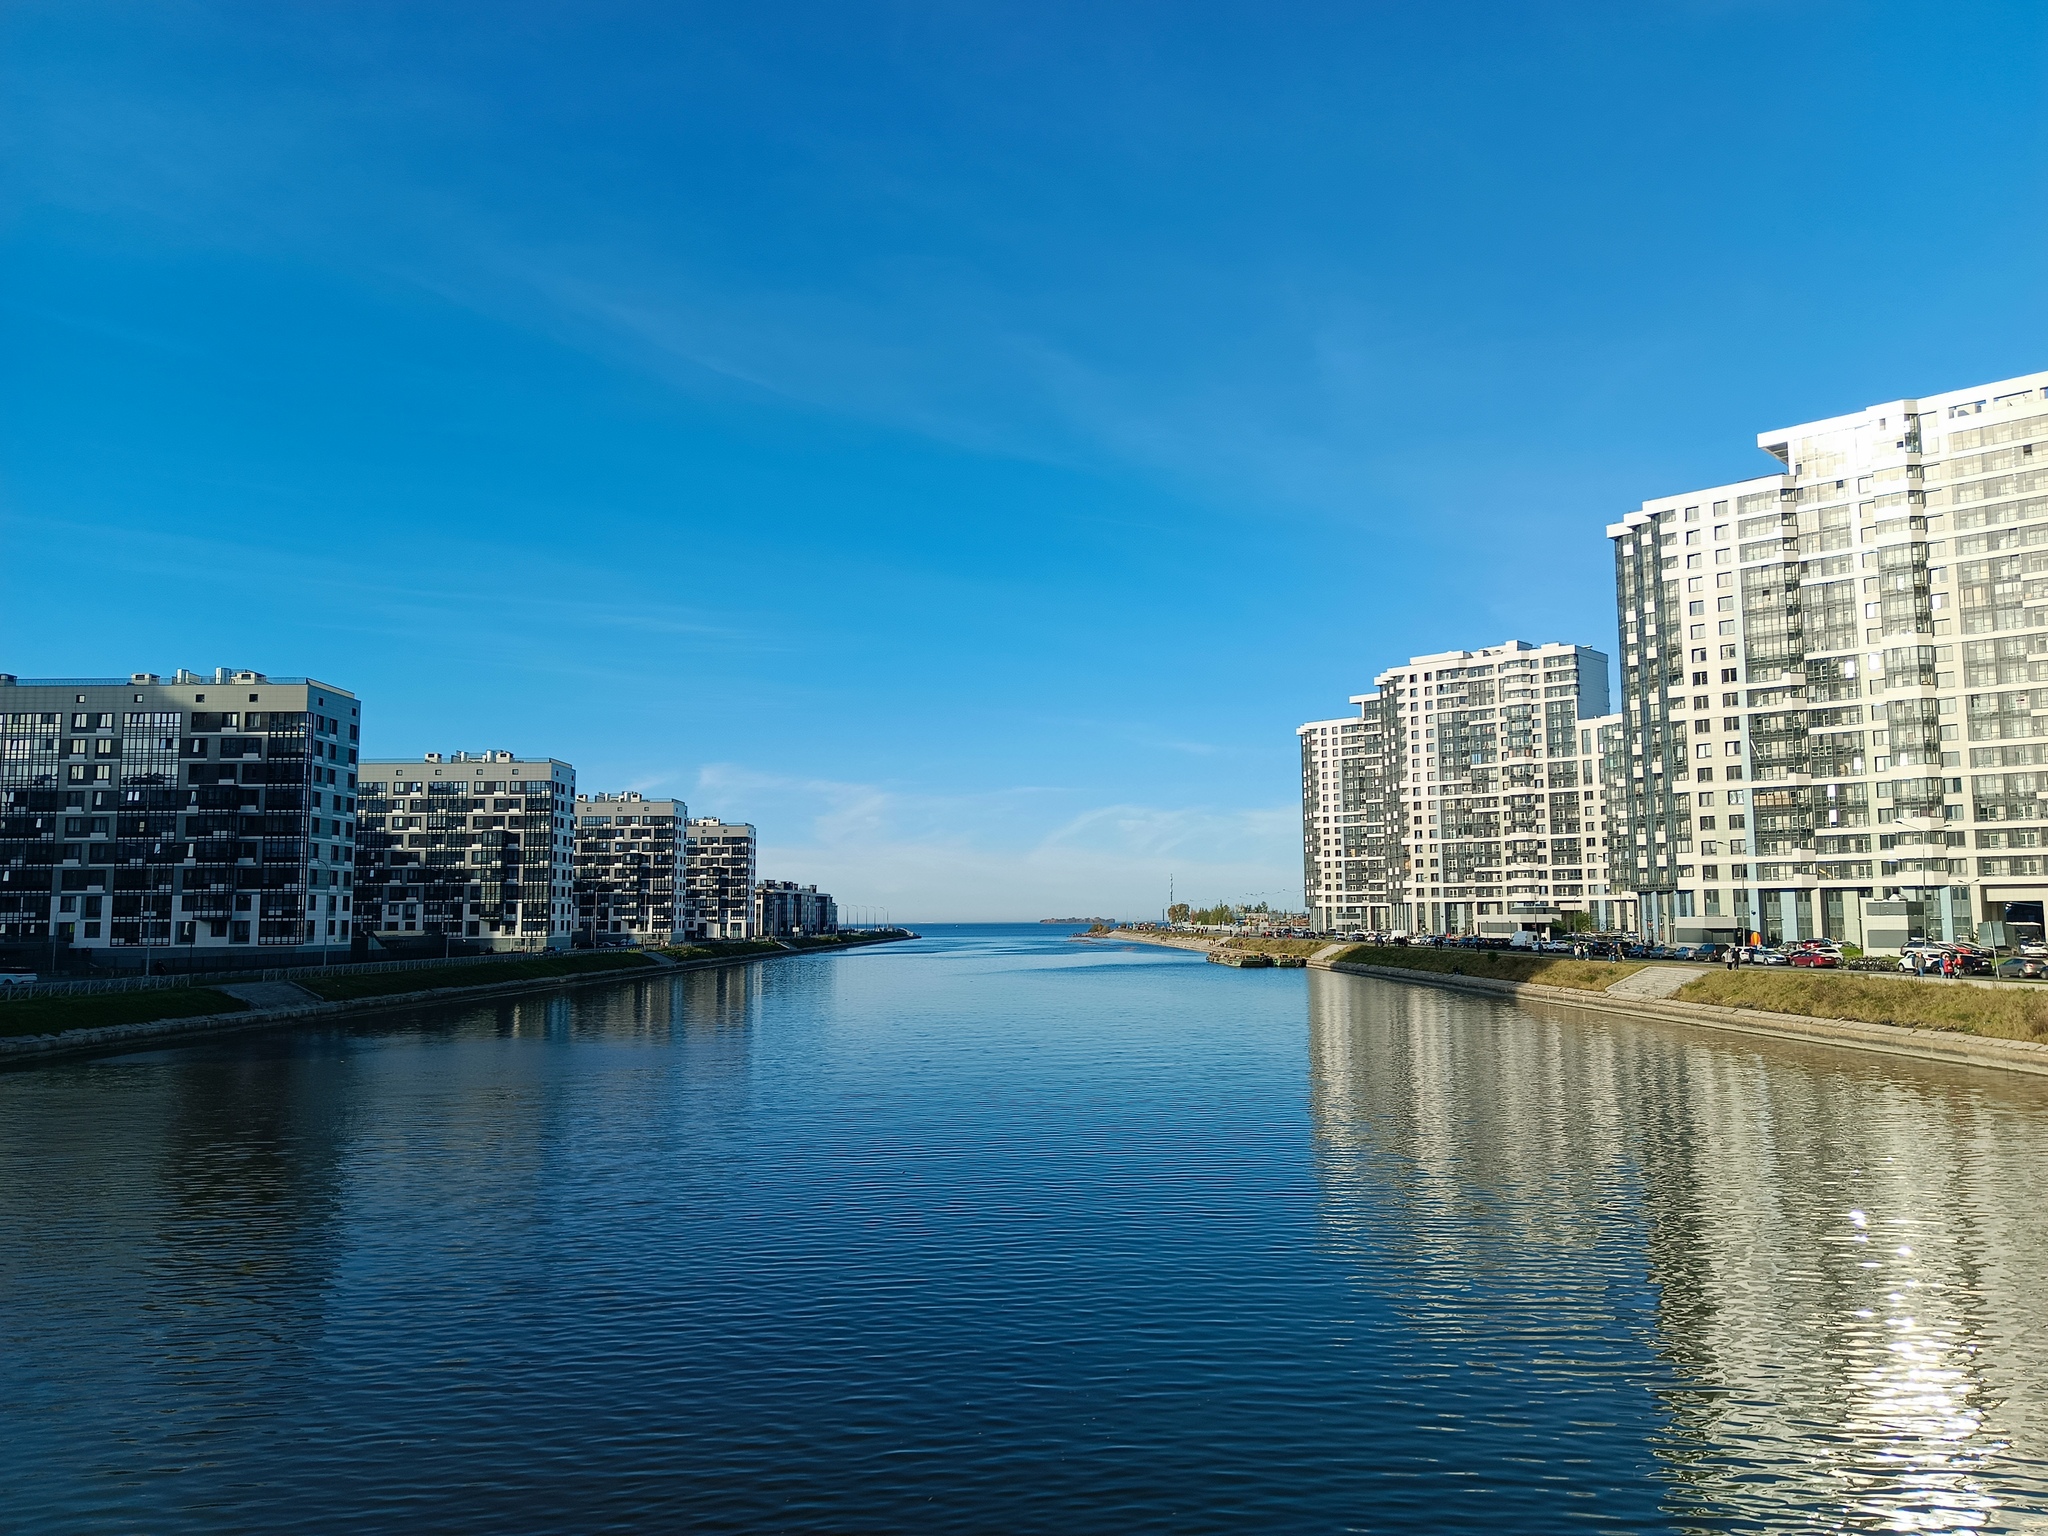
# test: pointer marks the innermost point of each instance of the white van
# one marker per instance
(1524, 939)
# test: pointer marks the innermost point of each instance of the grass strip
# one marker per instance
(337, 989)
(723, 949)
(53, 1015)
(1302, 947)
(1495, 965)
(1996, 1013)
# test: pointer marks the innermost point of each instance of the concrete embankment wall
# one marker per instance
(29, 1049)
(1891, 1040)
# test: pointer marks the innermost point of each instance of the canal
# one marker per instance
(997, 1231)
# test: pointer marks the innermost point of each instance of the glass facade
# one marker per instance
(474, 852)
(630, 856)
(199, 816)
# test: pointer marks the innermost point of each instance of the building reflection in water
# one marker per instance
(1838, 1258)
(268, 1202)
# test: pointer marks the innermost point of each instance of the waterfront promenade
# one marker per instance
(1659, 991)
(991, 1230)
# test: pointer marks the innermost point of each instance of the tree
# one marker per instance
(1577, 922)
(1177, 913)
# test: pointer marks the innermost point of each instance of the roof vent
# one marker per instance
(250, 677)
(501, 757)
(143, 677)
(187, 675)
(431, 757)
(7, 679)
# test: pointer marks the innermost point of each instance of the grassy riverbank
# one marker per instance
(25, 1018)
(1996, 1013)
(49, 1015)
(341, 989)
(1494, 965)
(1302, 947)
(722, 949)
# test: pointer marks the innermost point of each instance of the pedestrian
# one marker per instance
(1734, 957)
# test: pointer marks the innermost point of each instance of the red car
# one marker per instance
(1818, 959)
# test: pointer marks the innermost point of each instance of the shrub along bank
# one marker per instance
(2002, 1013)
(1494, 965)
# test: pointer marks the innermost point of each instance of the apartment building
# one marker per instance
(1349, 831)
(719, 878)
(1495, 749)
(1833, 679)
(473, 849)
(785, 910)
(203, 818)
(1466, 797)
(1610, 892)
(630, 857)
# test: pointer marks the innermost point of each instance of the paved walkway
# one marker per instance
(269, 994)
(1655, 981)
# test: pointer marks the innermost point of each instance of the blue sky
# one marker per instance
(963, 440)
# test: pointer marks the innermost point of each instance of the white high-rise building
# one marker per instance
(1348, 830)
(1833, 679)
(1466, 797)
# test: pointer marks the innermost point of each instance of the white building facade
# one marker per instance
(1466, 797)
(1348, 832)
(1833, 679)
(1495, 747)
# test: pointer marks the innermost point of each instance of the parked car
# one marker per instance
(13, 977)
(1762, 955)
(1926, 954)
(1814, 959)
(2023, 968)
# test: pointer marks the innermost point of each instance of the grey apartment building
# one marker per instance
(719, 878)
(631, 855)
(475, 850)
(206, 817)
(785, 910)
(1833, 679)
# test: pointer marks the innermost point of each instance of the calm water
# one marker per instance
(1000, 1232)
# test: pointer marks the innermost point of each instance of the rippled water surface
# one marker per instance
(997, 1231)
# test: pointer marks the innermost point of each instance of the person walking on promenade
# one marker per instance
(1734, 957)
